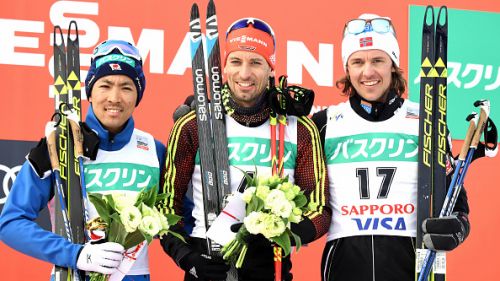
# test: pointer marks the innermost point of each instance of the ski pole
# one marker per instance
(78, 148)
(50, 134)
(483, 118)
(472, 139)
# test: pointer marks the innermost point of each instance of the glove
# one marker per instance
(39, 159)
(446, 233)
(183, 109)
(204, 267)
(102, 258)
(299, 104)
(259, 259)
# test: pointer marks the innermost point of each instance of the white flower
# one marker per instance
(272, 226)
(296, 215)
(262, 191)
(164, 225)
(274, 197)
(149, 211)
(124, 200)
(282, 208)
(130, 218)
(150, 225)
(261, 181)
(248, 194)
(253, 222)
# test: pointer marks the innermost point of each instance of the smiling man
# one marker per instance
(114, 85)
(249, 64)
(373, 182)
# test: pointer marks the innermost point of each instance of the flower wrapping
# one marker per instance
(129, 219)
(272, 204)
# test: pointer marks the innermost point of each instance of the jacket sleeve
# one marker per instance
(177, 172)
(28, 196)
(310, 175)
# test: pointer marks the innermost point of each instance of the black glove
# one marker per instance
(39, 158)
(446, 233)
(183, 109)
(204, 267)
(259, 259)
(299, 104)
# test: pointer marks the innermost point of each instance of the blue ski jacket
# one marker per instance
(30, 194)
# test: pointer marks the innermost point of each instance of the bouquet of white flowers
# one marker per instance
(129, 219)
(271, 205)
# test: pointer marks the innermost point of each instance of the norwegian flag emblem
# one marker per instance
(115, 66)
(365, 42)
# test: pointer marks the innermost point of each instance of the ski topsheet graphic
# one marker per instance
(210, 118)
(432, 130)
(69, 212)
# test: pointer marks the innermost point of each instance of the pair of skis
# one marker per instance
(433, 132)
(210, 120)
(65, 147)
(472, 138)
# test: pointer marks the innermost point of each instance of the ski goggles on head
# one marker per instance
(124, 47)
(256, 23)
(379, 25)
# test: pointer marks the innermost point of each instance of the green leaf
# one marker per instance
(160, 198)
(250, 181)
(116, 232)
(175, 234)
(100, 206)
(298, 241)
(256, 204)
(300, 200)
(172, 219)
(133, 239)
(148, 238)
(150, 196)
(284, 242)
(111, 203)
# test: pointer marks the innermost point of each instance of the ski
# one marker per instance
(67, 97)
(205, 137)
(76, 210)
(60, 94)
(218, 119)
(432, 156)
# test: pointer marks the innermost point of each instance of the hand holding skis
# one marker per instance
(455, 231)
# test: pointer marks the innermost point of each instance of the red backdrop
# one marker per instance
(25, 33)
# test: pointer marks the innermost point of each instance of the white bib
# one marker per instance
(249, 150)
(128, 170)
(372, 170)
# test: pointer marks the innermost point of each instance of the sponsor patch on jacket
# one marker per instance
(142, 143)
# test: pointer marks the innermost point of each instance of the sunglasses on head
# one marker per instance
(379, 25)
(125, 48)
(256, 23)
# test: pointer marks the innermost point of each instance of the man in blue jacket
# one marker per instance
(114, 85)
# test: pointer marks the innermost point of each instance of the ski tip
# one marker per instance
(195, 11)
(442, 17)
(210, 8)
(429, 16)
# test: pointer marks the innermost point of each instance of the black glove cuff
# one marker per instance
(39, 158)
(90, 141)
(305, 230)
(464, 218)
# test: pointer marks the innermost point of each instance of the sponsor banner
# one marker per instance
(473, 62)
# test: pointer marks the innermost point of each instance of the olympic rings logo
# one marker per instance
(8, 180)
